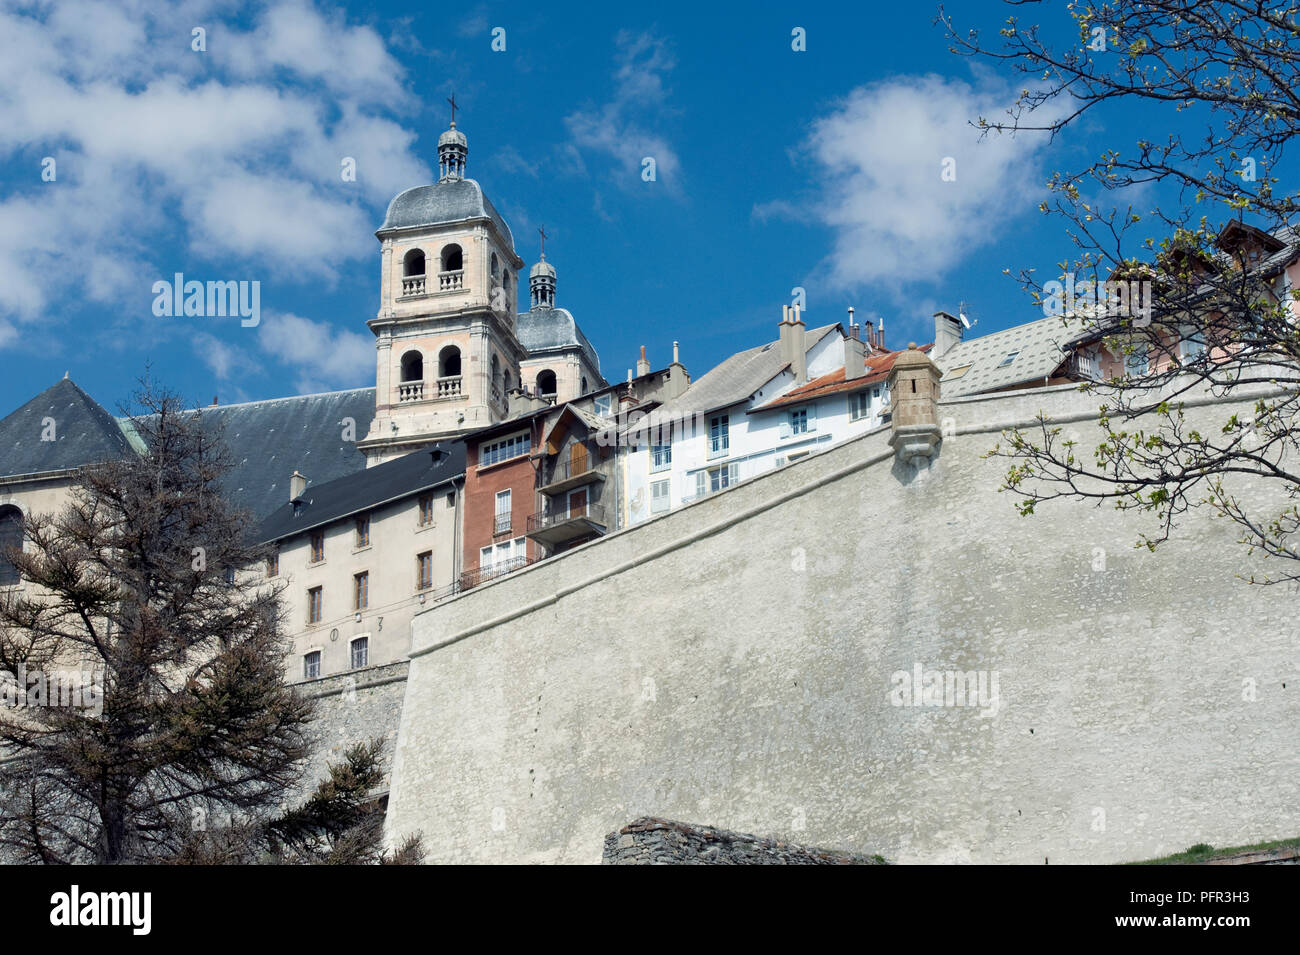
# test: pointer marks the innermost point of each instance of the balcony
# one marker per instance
(1083, 366)
(449, 387)
(410, 391)
(502, 525)
(450, 281)
(566, 475)
(413, 285)
(559, 525)
(472, 578)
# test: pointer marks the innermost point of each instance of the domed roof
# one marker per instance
(542, 268)
(545, 331)
(453, 135)
(442, 202)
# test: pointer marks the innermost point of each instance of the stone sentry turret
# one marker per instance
(914, 398)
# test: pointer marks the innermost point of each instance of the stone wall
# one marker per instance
(663, 842)
(353, 708)
(742, 660)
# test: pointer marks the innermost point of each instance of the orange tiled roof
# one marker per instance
(878, 368)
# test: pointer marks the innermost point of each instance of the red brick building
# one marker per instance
(500, 493)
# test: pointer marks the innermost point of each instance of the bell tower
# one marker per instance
(447, 348)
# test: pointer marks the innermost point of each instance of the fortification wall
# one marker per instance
(740, 660)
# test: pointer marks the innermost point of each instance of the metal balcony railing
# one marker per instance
(567, 468)
(502, 525)
(558, 515)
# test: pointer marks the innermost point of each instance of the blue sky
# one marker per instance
(776, 169)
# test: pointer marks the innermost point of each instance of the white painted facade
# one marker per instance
(756, 441)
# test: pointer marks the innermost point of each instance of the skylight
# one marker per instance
(1009, 359)
(958, 372)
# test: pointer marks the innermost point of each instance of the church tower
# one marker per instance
(446, 338)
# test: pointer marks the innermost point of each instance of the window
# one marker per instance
(413, 263)
(799, 421)
(604, 405)
(502, 525)
(228, 575)
(426, 510)
(511, 447)
(311, 665)
(859, 405)
(719, 435)
(546, 383)
(452, 258)
(1009, 359)
(317, 546)
(11, 539)
(1138, 362)
(360, 652)
(1193, 344)
(661, 457)
(660, 499)
(958, 372)
(716, 479)
(273, 565)
(361, 590)
(448, 364)
(425, 569)
(503, 558)
(363, 531)
(314, 601)
(412, 367)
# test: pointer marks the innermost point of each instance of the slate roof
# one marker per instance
(452, 201)
(878, 368)
(84, 433)
(545, 330)
(731, 381)
(365, 490)
(1041, 347)
(271, 439)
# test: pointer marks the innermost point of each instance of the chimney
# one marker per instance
(947, 333)
(214, 401)
(297, 486)
(783, 333)
(880, 335)
(914, 430)
(642, 364)
(855, 357)
(678, 379)
(798, 349)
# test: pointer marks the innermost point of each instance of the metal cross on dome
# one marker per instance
(542, 231)
(452, 100)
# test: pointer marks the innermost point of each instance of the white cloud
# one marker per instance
(229, 157)
(619, 129)
(323, 357)
(877, 160)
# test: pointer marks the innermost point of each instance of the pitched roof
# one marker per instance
(544, 330)
(878, 368)
(271, 439)
(353, 493)
(1039, 348)
(731, 381)
(83, 433)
